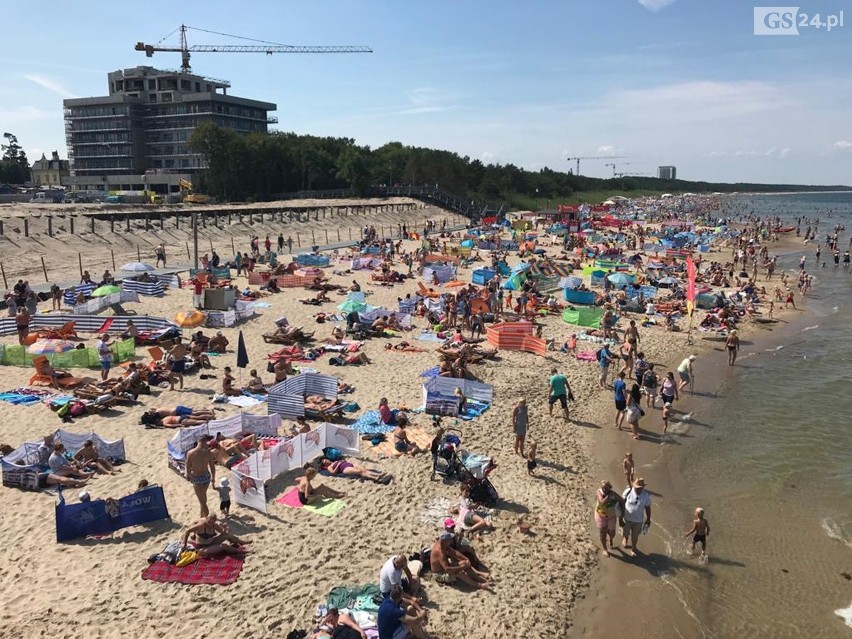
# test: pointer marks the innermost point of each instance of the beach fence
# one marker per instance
(516, 336)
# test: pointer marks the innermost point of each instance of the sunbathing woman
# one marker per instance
(209, 537)
(405, 347)
(400, 438)
(346, 467)
(336, 337)
(180, 416)
(89, 459)
(309, 493)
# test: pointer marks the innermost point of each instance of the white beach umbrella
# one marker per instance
(138, 267)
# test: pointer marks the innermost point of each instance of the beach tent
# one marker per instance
(586, 316)
(249, 477)
(287, 398)
(104, 516)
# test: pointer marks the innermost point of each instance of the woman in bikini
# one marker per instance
(309, 492)
(732, 345)
(401, 443)
(209, 537)
(345, 467)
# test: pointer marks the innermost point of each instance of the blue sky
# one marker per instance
(681, 82)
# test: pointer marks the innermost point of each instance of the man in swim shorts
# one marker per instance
(201, 471)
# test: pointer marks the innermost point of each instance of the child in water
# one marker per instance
(700, 531)
(628, 466)
(667, 410)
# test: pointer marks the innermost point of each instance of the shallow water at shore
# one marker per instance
(767, 452)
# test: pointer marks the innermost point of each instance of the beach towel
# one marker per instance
(435, 512)
(219, 571)
(431, 372)
(473, 409)
(587, 356)
(370, 423)
(428, 337)
(323, 506)
(416, 435)
(246, 401)
(354, 598)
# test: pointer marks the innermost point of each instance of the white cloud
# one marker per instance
(655, 5)
(486, 157)
(607, 149)
(23, 114)
(49, 84)
(842, 145)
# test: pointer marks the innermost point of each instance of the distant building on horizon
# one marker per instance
(51, 173)
(136, 138)
(667, 172)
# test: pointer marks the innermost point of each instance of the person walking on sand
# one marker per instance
(637, 515)
(520, 421)
(628, 466)
(201, 471)
(177, 363)
(732, 345)
(700, 531)
(560, 391)
(531, 462)
(685, 372)
(606, 514)
(605, 358)
(619, 390)
(161, 254)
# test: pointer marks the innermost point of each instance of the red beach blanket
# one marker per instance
(220, 571)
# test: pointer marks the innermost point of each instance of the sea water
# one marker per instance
(770, 461)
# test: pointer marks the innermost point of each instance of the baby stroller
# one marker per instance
(448, 464)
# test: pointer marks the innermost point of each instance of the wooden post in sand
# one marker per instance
(338, 233)
(188, 256)
(127, 223)
(3, 272)
(298, 239)
(26, 227)
(350, 233)
(50, 225)
(162, 222)
(147, 221)
(93, 224)
(80, 262)
(113, 259)
(233, 248)
(1, 231)
(138, 254)
(44, 268)
(111, 224)
(313, 237)
(211, 245)
(177, 221)
(71, 220)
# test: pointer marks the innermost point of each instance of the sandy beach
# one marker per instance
(71, 588)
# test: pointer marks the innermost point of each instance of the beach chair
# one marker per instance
(66, 331)
(45, 375)
(157, 354)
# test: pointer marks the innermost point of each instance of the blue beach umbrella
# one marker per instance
(620, 279)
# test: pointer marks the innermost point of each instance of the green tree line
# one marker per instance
(259, 166)
(14, 166)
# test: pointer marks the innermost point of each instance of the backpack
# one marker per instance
(601, 357)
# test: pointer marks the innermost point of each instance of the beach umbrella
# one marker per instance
(50, 346)
(572, 282)
(620, 279)
(668, 280)
(103, 291)
(190, 318)
(242, 354)
(138, 267)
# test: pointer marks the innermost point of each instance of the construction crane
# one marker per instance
(263, 46)
(613, 167)
(596, 157)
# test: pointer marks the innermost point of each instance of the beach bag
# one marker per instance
(186, 558)
(62, 411)
(76, 409)
(332, 454)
